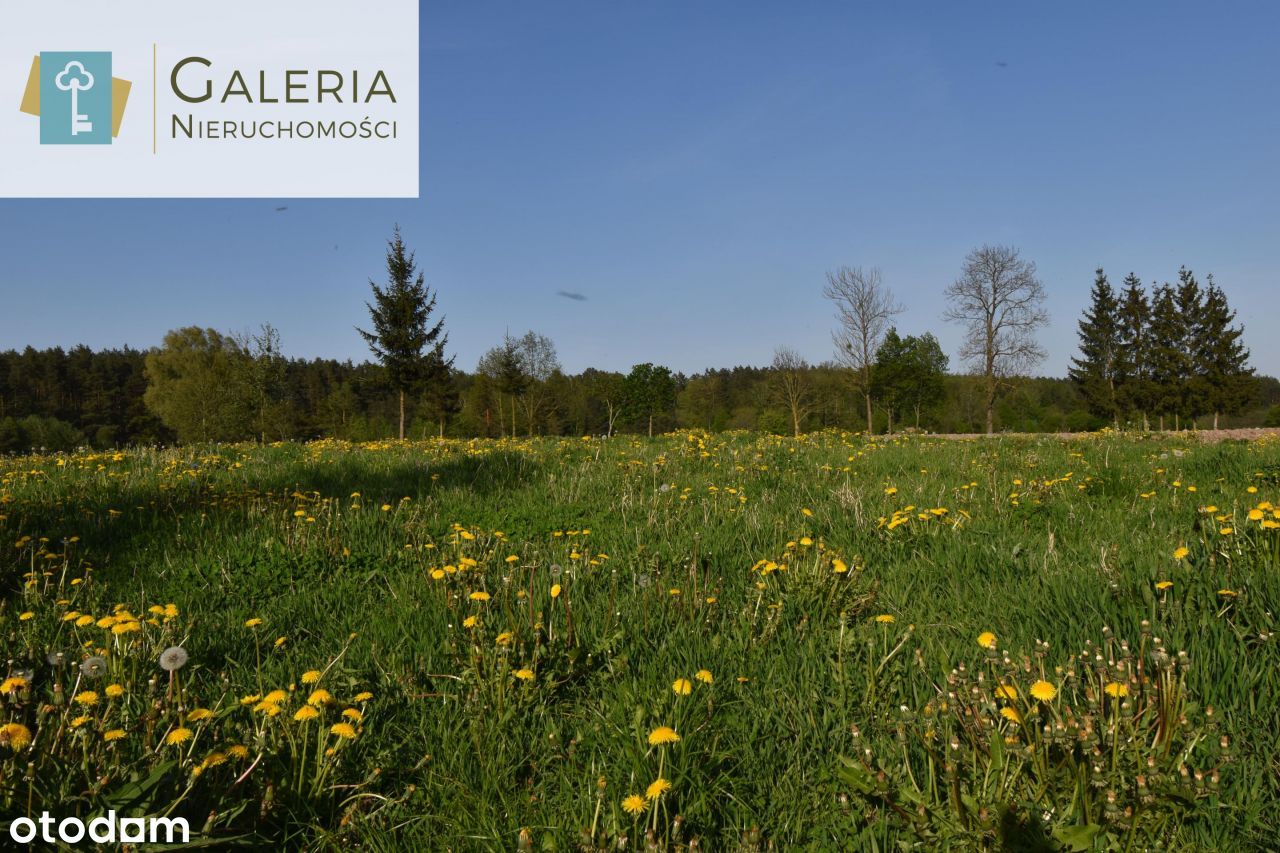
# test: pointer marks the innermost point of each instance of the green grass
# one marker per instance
(457, 752)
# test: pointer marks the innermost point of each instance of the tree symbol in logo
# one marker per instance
(76, 79)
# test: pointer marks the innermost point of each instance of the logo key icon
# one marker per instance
(75, 79)
(76, 97)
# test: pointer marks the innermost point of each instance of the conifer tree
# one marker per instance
(1099, 370)
(1189, 300)
(1168, 355)
(1222, 361)
(409, 347)
(1135, 345)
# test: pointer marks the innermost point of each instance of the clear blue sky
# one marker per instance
(694, 168)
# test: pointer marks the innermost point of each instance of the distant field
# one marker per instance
(724, 641)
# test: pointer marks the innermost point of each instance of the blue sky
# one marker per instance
(694, 168)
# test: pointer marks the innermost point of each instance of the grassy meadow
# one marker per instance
(731, 641)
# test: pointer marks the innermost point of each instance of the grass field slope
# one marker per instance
(698, 641)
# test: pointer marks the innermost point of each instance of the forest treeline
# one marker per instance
(60, 399)
(1171, 356)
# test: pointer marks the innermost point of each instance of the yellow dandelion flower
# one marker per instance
(15, 735)
(238, 751)
(1011, 714)
(840, 566)
(524, 674)
(987, 640)
(1181, 553)
(705, 676)
(320, 697)
(113, 734)
(13, 684)
(681, 687)
(886, 619)
(1163, 585)
(1116, 690)
(634, 804)
(663, 735)
(252, 623)
(1007, 691)
(503, 639)
(80, 721)
(657, 788)
(250, 700)
(306, 712)
(354, 715)
(84, 621)
(23, 617)
(86, 698)
(470, 622)
(177, 736)
(479, 595)
(195, 715)
(311, 676)
(113, 691)
(346, 731)
(555, 590)
(1044, 691)
(364, 697)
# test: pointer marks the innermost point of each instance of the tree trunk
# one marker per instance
(1146, 423)
(870, 425)
(442, 427)
(513, 416)
(651, 425)
(1215, 421)
(402, 416)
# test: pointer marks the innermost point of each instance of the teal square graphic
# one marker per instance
(75, 97)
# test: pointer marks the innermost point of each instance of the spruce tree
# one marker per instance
(1098, 371)
(1190, 301)
(411, 350)
(1135, 344)
(1222, 361)
(1168, 355)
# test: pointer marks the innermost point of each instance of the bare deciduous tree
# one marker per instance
(1000, 302)
(791, 385)
(864, 307)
